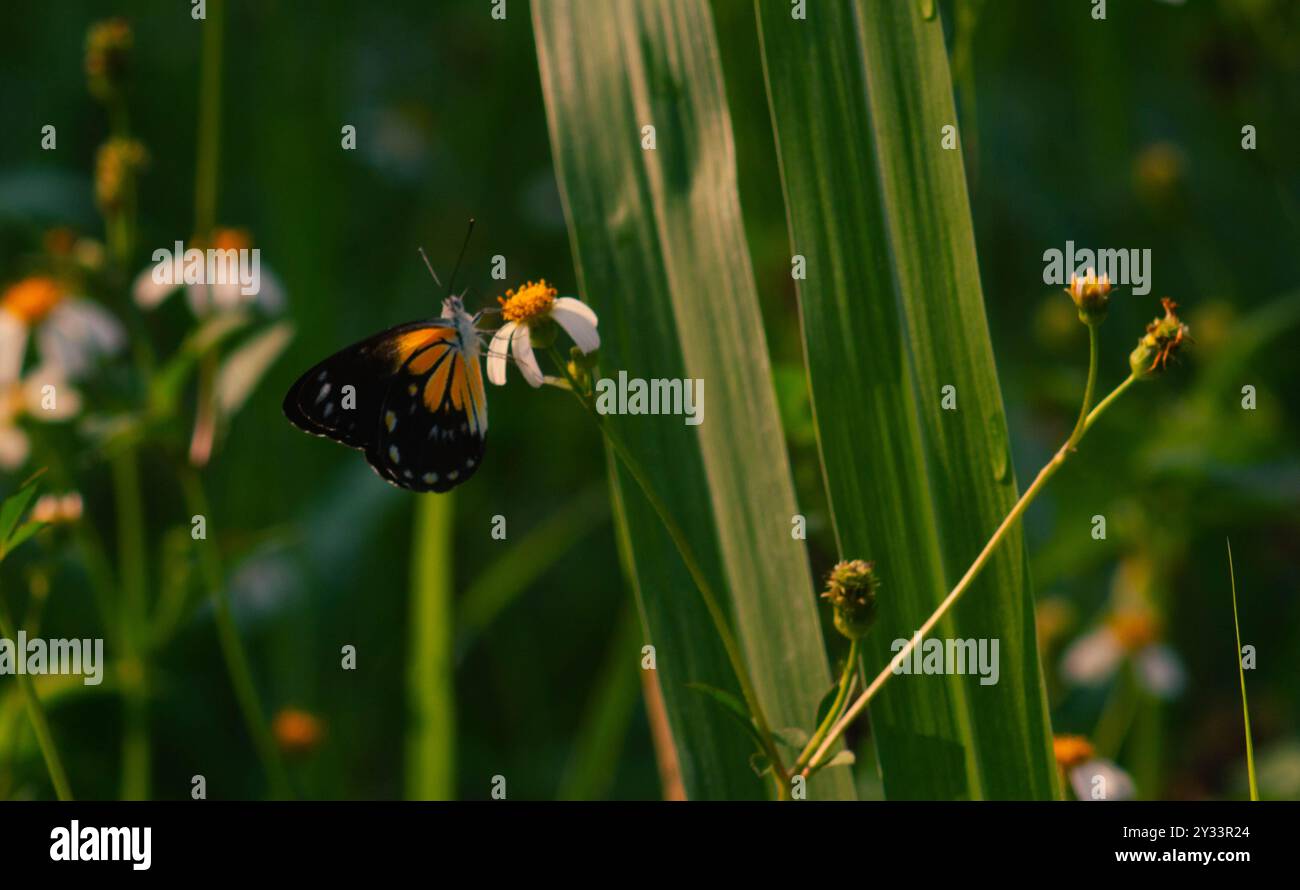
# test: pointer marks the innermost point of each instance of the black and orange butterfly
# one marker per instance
(410, 397)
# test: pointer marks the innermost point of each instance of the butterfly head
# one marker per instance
(453, 310)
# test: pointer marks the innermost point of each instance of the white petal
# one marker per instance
(76, 334)
(13, 345)
(66, 401)
(1093, 658)
(1160, 671)
(578, 326)
(522, 346)
(1101, 780)
(498, 349)
(148, 292)
(575, 305)
(13, 447)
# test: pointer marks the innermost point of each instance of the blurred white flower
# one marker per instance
(1091, 777)
(71, 332)
(211, 299)
(42, 395)
(1101, 779)
(1130, 633)
(531, 307)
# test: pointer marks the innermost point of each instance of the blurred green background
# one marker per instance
(1122, 133)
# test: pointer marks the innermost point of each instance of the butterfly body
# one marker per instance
(410, 397)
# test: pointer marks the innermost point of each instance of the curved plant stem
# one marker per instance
(232, 650)
(711, 601)
(36, 713)
(1040, 481)
(1089, 389)
(837, 706)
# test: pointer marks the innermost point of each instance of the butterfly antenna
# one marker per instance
(451, 282)
(428, 265)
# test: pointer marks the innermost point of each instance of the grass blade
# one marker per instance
(892, 314)
(660, 253)
(1241, 672)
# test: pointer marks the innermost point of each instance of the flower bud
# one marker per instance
(108, 56)
(116, 166)
(1091, 296)
(851, 590)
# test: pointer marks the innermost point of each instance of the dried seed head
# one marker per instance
(1163, 337)
(851, 590)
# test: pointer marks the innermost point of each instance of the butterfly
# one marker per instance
(410, 397)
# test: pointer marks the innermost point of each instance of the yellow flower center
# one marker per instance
(1133, 628)
(32, 298)
(231, 239)
(532, 301)
(1071, 750)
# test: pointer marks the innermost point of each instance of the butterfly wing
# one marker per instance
(342, 397)
(433, 421)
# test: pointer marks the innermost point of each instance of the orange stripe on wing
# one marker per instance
(436, 389)
(478, 398)
(425, 360)
(403, 346)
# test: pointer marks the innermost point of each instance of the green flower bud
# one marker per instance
(851, 590)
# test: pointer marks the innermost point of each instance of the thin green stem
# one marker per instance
(209, 128)
(1089, 389)
(36, 713)
(1039, 483)
(711, 601)
(232, 650)
(133, 624)
(1241, 672)
(430, 672)
(836, 709)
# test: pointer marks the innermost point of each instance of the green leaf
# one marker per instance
(660, 254)
(892, 313)
(21, 534)
(1241, 673)
(733, 706)
(12, 509)
(792, 737)
(843, 758)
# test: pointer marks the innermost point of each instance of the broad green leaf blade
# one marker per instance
(1241, 673)
(892, 313)
(661, 255)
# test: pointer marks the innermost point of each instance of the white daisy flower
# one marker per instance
(1131, 634)
(211, 299)
(530, 307)
(1091, 777)
(71, 332)
(42, 395)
